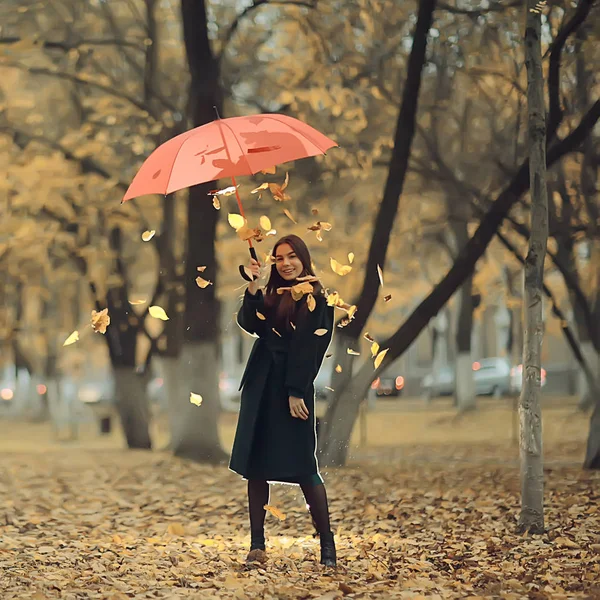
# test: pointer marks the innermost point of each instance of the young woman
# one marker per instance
(275, 440)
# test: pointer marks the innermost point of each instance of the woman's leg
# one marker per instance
(316, 498)
(258, 496)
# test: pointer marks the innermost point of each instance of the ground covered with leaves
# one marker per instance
(116, 524)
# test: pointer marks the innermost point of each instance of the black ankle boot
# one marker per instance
(257, 541)
(328, 556)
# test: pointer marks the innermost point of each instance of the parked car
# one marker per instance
(516, 379)
(388, 385)
(492, 377)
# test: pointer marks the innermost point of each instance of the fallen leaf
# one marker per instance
(74, 337)
(148, 235)
(311, 302)
(261, 316)
(265, 223)
(216, 203)
(203, 283)
(195, 399)
(176, 529)
(100, 320)
(338, 268)
(380, 357)
(321, 332)
(288, 214)
(236, 221)
(380, 273)
(158, 313)
(275, 512)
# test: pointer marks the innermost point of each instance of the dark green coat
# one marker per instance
(269, 443)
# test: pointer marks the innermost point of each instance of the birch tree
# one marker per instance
(530, 417)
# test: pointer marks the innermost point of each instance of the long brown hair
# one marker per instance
(283, 308)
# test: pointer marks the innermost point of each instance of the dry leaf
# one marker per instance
(274, 511)
(200, 269)
(380, 357)
(338, 369)
(265, 223)
(148, 235)
(158, 313)
(236, 221)
(387, 298)
(74, 337)
(195, 399)
(261, 316)
(293, 326)
(380, 273)
(328, 355)
(321, 332)
(228, 191)
(352, 352)
(288, 214)
(203, 283)
(137, 302)
(262, 186)
(350, 257)
(271, 232)
(329, 388)
(368, 337)
(374, 349)
(311, 302)
(175, 529)
(300, 289)
(339, 269)
(100, 320)
(269, 170)
(278, 190)
(275, 331)
(216, 203)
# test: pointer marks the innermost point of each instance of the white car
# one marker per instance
(516, 379)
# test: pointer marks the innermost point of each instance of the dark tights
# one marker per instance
(258, 496)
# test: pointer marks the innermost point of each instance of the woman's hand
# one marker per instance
(254, 268)
(298, 408)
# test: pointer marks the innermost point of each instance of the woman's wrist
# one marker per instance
(253, 288)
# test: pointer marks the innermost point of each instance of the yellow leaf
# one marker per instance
(321, 332)
(269, 171)
(176, 529)
(368, 337)
(158, 313)
(352, 352)
(236, 221)
(300, 289)
(265, 223)
(148, 235)
(380, 357)
(137, 302)
(288, 214)
(203, 283)
(325, 226)
(100, 321)
(195, 399)
(374, 349)
(261, 316)
(117, 539)
(387, 298)
(262, 186)
(311, 302)
(74, 337)
(201, 269)
(216, 203)
(380, 273)
(274, 511)
(338, 369)
(350, 257)
(339, 269)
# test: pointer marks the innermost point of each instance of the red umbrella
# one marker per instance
(226, 148)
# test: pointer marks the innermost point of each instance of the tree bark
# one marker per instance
(531, 518)
(388, 208)
(197, 438)
(347, 407)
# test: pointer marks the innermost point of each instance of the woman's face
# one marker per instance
(288, 265)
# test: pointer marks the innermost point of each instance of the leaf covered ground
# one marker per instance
(114, 524)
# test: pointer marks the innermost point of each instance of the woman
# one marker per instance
(275, 440)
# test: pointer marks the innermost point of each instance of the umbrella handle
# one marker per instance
(241, 267)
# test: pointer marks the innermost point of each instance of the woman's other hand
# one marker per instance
(254, 268)
(298, 408)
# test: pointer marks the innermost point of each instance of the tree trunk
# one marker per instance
(198, 437)
(134, 413)
(530, 435)
(384, 221)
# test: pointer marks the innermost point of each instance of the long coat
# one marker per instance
(270, 443)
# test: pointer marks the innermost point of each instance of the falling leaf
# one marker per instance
(293, 326)
(265, 223)
(262, 186)
(228, 191)
(100, 320)
(368, 337)
(328, 355)
(137, 302)
(311, 302)
(321, 332)
(352, 352)
(195, 399)
(338, 369)
(216, 203)
(271, 232)
(380, 273)
(329, 388)
(380, 357)
(201, 269)
(158, 313)
(275, 512)
(300, 289)
(319, 236)
(261, 316)
(74, 337)
(203, 283)
(350, 257)
(277, 332)
(333, 299)
(269, 170)
(387, 298)
(325, 226)
(288, 214)
(374, 349)
(278, 190)
(148, 235)
(236, 221)
(339, 269)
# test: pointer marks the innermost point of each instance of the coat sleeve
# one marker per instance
(308, 349)
(247, 318)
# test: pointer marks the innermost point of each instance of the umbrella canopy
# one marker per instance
(226, 148)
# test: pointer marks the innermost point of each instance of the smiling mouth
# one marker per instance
(288, 272)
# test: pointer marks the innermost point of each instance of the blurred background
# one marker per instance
(89, 89)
